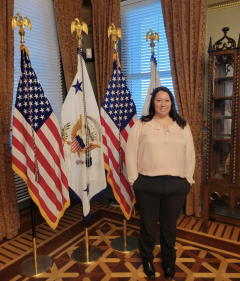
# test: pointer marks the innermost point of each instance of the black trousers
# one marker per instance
(159, 199)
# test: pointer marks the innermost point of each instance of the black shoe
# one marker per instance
(169, 273)
(149, 269)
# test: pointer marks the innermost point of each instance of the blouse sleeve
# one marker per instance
(132, 148)
(190, 156)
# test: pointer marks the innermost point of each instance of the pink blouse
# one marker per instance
(156, 150)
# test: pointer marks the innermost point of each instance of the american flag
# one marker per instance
(118, 115)
(36, 139)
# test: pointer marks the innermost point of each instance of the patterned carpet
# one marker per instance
(195, 261)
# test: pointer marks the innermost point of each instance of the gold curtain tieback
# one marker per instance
(4, 138)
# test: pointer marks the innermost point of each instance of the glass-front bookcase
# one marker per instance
(222, 156)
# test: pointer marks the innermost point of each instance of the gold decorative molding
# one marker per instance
(216, 4)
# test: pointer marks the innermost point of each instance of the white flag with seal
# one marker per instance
(82, 141)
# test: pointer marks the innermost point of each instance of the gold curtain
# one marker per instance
(9, 213)
(66, 11)
(185, 27)
(104, 13)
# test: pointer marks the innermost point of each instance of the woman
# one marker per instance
(160, 162)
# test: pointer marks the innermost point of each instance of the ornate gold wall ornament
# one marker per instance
(79, 27)
(116, 33)
(152, 37)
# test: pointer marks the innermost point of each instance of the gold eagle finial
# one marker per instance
(79, 27)
(116, 33)
(152, 37)
(21, 23)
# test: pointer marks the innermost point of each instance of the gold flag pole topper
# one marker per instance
(89, 253)
(116, 34)
(79, 27)
(152, 37)
(21, 23)
(124, 243)
(36, 265)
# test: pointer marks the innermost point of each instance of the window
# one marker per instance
(43, 46)
(137, 17)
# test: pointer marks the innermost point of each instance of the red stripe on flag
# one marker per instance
(52, 127)
(118, 191)
(104, 140)
(48, 168)
(48, 212)
(42, 160)
(124, 134)
(110, 134)
(113, 140)
(131, 123)
(50, 194)
(127, 186)
(106, 159)
(55, 157)
(19, 165)
(28, 138)
(114, 161)
(122, 177)
(33, 188)
(115, 185)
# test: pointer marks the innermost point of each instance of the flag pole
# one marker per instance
(153, 37)
(124, 243)
(36, 265)
(88, 253)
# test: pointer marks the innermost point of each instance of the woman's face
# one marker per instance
(162, 104)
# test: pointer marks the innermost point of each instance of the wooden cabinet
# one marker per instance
(222, 180)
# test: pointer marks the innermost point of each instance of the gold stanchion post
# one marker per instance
(89, 253)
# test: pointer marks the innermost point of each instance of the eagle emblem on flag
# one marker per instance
(78, 137)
